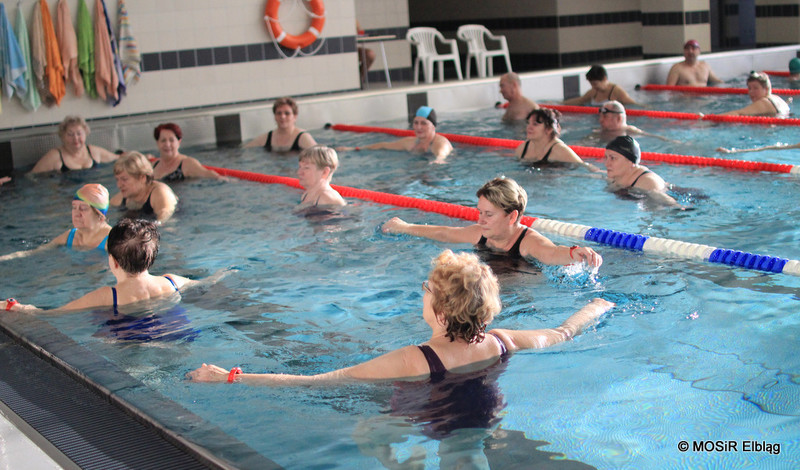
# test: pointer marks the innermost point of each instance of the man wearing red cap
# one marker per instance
(691, 72)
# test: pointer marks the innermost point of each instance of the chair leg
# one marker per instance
(508, 62)
(469, 62)
(490, 66)
(441, 71)
(457, 63)
(416, 71)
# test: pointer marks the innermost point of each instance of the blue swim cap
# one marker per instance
(794, 65)
(428, 113)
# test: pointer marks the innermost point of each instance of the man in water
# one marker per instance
(518, 106)
(691, 72)
(614, 122)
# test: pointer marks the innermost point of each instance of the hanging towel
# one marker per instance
(121, 88)
(105, 76)
(54, 69)
(31, 100)
(13, 63)
(85, 35)
(65, 33)
(128, 47)
(39, 55)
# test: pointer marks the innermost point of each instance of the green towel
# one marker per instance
(31, 100)
(85, 32)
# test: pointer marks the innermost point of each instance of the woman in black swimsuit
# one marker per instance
(543, 144)
(139, 191)
(74, 153)
(173, 165)
(601, 90)
(460, 299)
(287, 137)
(624, 171)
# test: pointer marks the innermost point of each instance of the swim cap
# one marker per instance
(428, 113)
(794, 65)
(96, 195)
(692, 43)
(627, 147)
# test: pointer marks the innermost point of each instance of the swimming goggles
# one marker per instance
(604, 110)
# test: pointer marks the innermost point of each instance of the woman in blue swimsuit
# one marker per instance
(90, 229)
(172, 165)
(132, 250)
(460, 299)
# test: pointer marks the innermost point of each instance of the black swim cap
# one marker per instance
(627, 147)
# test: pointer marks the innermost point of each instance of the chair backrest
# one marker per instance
(473, 34)
(424, 38)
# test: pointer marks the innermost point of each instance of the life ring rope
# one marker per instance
(289, 41)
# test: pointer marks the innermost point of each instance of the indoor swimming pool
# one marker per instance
(692, 352)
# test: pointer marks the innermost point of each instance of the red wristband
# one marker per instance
(357, 149)
(10, 302)
(571, 249)
(233, 373)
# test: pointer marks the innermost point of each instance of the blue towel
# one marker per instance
(11, 58)
(121, 88)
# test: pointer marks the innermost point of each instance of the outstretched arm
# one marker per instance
(469, 234)
(578, 100)
(540, 247)
(759, 149)
(406, 143)
(59, 240)
(529, 339)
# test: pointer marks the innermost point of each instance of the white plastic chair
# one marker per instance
(425, 40)
(473, 35)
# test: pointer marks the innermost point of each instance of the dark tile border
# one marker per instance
(766, 11)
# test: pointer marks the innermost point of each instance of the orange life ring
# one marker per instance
(291, 41)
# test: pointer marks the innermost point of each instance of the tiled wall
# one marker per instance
(199, 53)
(777, 22)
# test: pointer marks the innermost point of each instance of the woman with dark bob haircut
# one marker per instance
(542, 144)
(601, 90)
(132, 250)
(460, 299)
(172, 165)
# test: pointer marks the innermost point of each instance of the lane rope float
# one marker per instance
(713, 90)
(590, 152)
(635, 242)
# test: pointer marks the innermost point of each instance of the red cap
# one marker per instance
(692, 43)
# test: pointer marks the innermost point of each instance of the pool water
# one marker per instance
(692, 352)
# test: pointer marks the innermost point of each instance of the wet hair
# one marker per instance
(321, 156)
(134, 244)
(506, 194)
(134, 164)
(548, 117)
(465, 293)
(597, 72)
(761, 78)
(285, 101)
(71, 121)
(169, 126)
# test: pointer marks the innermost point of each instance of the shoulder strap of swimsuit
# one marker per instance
(171, 282)
(89, 151)
(514, 251)
(503, 348)
(482, 241)
(772, 102)
(611, 92)
(547, 155)
(71, 237)
(296, 143)
(525, 149)
(102, 245)
(155, 163)
(268, 143)
(114, 294)
(637, 178)
(434, 363)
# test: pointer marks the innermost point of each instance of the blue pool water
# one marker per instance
(692, 352)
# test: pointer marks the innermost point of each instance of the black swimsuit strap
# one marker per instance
(547, 155)
(514, 251)
(524, 149)
(637, 178)
(114, 294)
(434, 363)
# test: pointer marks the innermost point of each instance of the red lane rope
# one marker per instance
(712, 90)
(777, 73)
(764, 120)
(588, 152)
(438, 207)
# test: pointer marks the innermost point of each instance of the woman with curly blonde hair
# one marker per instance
(460, 298)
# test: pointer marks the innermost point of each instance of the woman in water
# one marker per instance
(501, 205)
(763, 102)
(602, 90)
(625, 173)
(172, 165)
(543, 145)
(287, 137)
(314, 172)
(424, 140)
(132, 250)
(90, 226)
(74, 153)
(460, 299)
(138, 191)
